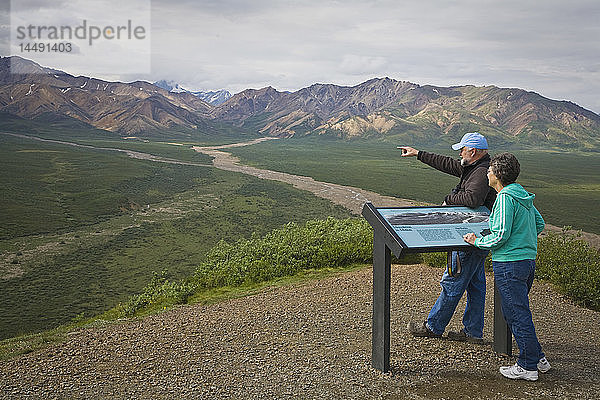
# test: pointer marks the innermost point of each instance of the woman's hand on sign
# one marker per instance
(408, 151)
(470, 238)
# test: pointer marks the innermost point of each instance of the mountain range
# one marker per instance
(379, 107)
(30, 91)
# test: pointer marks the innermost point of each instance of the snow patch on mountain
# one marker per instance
(215, 98)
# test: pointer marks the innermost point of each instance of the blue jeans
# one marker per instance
(514, 280)
(471, 279)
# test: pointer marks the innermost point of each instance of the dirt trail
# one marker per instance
(349, 197)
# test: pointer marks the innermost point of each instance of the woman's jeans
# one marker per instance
(471, 279)
(514, 280)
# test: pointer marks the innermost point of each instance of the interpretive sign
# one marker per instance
(432, 228)
(417, 230)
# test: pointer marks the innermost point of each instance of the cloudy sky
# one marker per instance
(551, 47)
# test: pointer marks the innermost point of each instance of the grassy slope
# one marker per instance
(79, 236)
(566, 184)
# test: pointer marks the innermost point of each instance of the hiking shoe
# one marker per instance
(543, 365)
(516, 372)
(421, 330)
(462, 336)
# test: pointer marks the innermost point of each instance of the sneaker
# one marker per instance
(516, 372)
(462, 336)
(543, 365)
(421, 330)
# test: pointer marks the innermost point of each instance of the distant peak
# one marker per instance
(170, 86)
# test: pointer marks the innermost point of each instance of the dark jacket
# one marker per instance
(473, 189)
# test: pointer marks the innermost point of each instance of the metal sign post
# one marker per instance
(382, 266)
(418, 230)
(502, 334)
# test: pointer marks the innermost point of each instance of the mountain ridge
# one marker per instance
(378, 107)
(383, 106)
(133, 107)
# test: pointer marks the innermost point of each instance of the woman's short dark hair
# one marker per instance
(506, 168)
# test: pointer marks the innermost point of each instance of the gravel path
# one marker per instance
(310, 341)
(350, 197)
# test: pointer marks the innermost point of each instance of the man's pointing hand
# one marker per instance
(408, 151)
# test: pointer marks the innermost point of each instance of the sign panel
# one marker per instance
(436, 227)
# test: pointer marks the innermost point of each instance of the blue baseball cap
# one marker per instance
(474, 140)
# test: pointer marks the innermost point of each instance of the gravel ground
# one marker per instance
(309, 341)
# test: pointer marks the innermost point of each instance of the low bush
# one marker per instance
(160, 291)
(437, 260)
(319, 243)
(572, 265)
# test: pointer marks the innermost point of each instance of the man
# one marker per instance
(472, 191)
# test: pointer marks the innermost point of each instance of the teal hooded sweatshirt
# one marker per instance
(515, 224)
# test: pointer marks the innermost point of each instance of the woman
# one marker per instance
(514, 225)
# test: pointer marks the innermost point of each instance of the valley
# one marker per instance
(83, 229)
(89, 224)
(566, 183)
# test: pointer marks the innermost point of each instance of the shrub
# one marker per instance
(437, 260)
(285, 251)
(158, 291)
(572, 265)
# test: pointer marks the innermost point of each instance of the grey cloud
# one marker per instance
(233, 10)
(34, 5)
